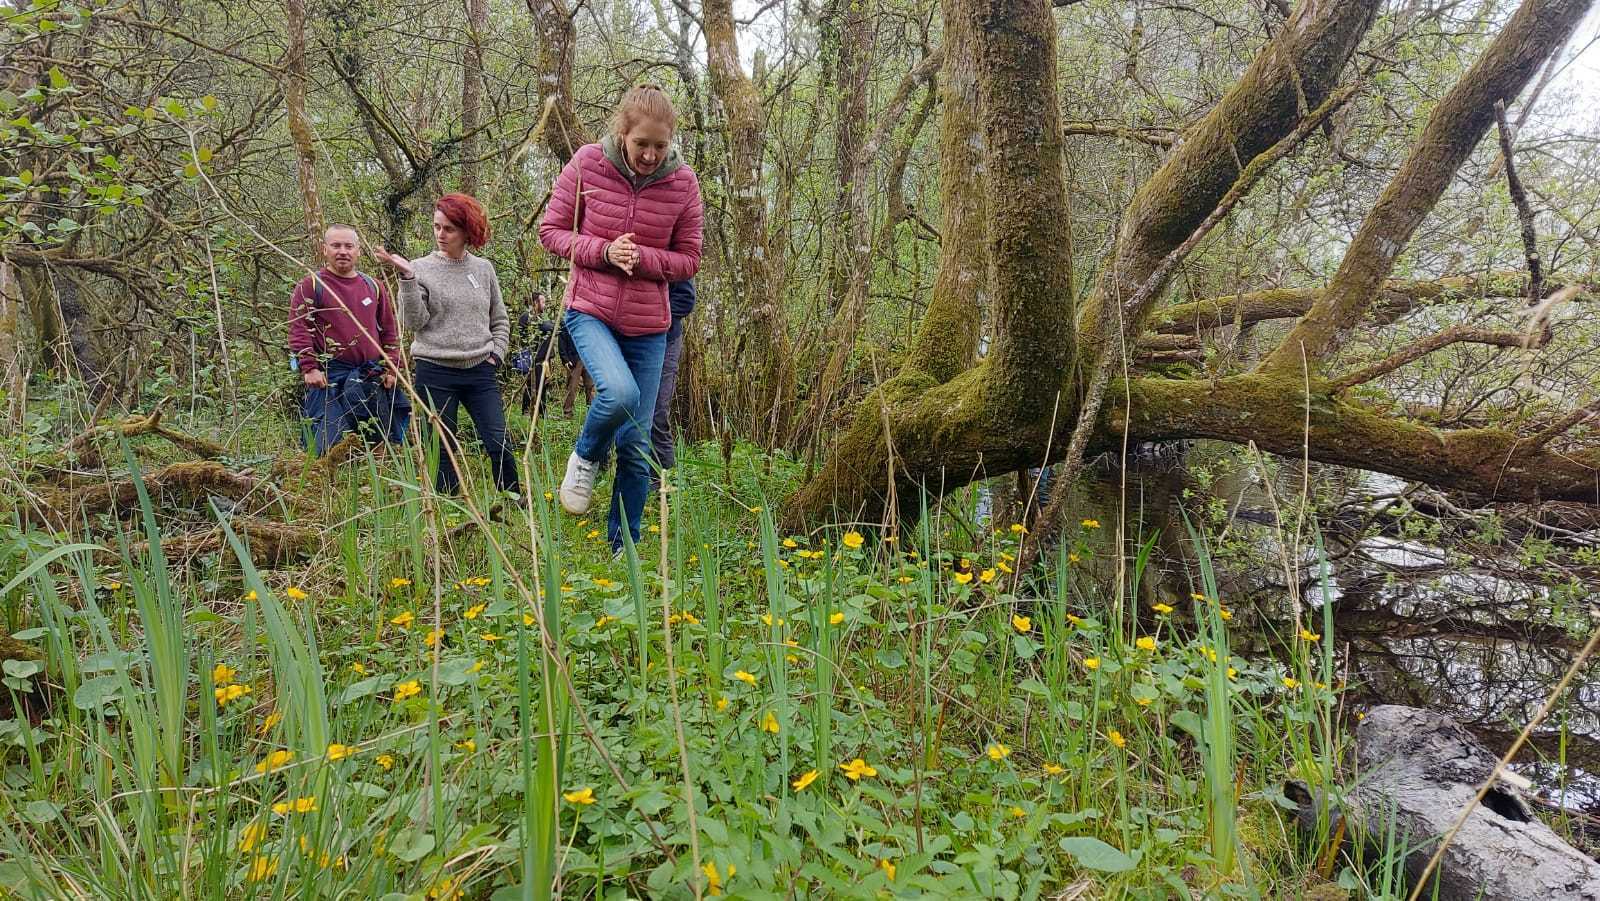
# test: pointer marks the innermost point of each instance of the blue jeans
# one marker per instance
(330, 419)
(445, 389)
(627, 374)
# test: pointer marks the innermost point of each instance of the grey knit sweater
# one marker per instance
(454, 311)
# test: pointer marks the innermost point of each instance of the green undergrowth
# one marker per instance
(429, 709)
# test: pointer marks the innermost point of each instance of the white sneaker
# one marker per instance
(577, 487)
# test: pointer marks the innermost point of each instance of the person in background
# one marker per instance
(681, 299)
(635, 227)
(450, 300)
(346, 345)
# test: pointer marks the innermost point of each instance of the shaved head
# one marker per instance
(341, 248)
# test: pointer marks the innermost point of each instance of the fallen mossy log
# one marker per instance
(270, 543)
(1417, 772)
(192, 482)
(84, 448)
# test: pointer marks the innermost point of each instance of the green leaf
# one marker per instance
(22, 669)
(58, 80)
(174, 109)
(96, 693)
(208, 103)
(358, 690)
(40, 812)
(411, 845)
(1094, 854)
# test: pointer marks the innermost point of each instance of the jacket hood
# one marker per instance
(613, 152)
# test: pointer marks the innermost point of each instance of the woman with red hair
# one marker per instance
(450, 301)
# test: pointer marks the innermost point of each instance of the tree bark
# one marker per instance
(765, 389)
(472, 92)
(13, 354)
(1538, 29)
(295, 77)
(558, 37)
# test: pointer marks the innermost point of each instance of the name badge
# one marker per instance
(366, 301)
(474, 280)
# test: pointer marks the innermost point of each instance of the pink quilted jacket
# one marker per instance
(665, 219)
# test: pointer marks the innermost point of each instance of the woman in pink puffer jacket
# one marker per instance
(626, 212)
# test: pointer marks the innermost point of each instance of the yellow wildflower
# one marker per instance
(409, 689)
(722, 704)
(474, 611)
(226, 693)
(1232, 673)
(1074, 620)
(986, 576)
(746, 678)
(222, 674)
(769, 723)
(790, 543)
(294, 594)
(1091, 524)
(593, 534)
(1162, 609)
(714, 879)
(404, 620)
(1023, 624)
(1117, 739)
(250, 595)
(1143, 702)
(805, 779)
(476, 667)
(1308, 635)
(888, 867)
(337, 751)
(836, 618)
(857, 768)
(262, 868)
(603, 583)
(1291, 683)
(467, 745)
(852, 540)
(1072, 557)
(1091, 663)
(271, 719)
(1054, 769)
(358, 668)
(1145, 643)
(490, 636)
(998, 751)
(1003, 567)
(1018, 812)
(1018, 528)
(1225, 613)
(399, 582)
(962, 578)
(251, 835)
(432, 637)
(583, 796)
(386, 761)
(1198, 598)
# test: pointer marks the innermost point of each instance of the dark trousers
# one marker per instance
(446, 388)
(661, 437)
(330, 418)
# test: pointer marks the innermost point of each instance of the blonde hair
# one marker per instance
(644, 101)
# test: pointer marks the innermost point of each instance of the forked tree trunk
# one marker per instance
(764, 389)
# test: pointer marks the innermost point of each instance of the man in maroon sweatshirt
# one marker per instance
(346, 344)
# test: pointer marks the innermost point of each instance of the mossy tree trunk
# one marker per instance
(764, 390)
(295, 76)
(564, 133)
(940, 424)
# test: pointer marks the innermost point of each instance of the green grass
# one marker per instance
(1013, 742)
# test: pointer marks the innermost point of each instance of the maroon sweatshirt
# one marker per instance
(334, 328)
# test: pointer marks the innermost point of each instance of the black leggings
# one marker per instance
(444, 389)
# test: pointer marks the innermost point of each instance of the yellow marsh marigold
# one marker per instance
(852, 540)
(835, 618)
(805, 779)
(222, 674)
(227, 693)
(262, 868)
(998, 751)
(489, 636)
(1091, 663)
(1162, 609)
(584, 796)
(1054, 769)
(888, 867)
(467, 745)
(404, 620)
(475, 610)
(769, 723)
(251, 595)
(1146, 643)
(251, 835)
(603, 583)
(1021, 623)
(386, 761)
(399, 582)
(856, 769)
(1291, 683)
(337, 751)
(271, 719)
(1018, 812)
(432, 637)
(1226, 614)
(1308, 635)
(1018, 528)
(746, 678)
(722, 704)
(358, 668)
(714, 879)
(1091, 524)
(962, 578)
(986, 576)
(298, 805)
(790, 543)
(294, 594)
(408, 689)
(1117, 739)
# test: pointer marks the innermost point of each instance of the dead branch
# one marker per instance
(192, 482)
(1519, 197)
(1154, 137)
(271, 543)
(1455, 334)
(83, 446)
